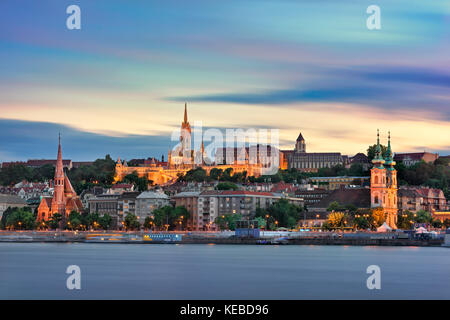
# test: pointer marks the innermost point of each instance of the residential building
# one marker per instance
(189, 200)
(13, 201)
(126, 204)
(148, 201)
(311, 197)
(105, 204)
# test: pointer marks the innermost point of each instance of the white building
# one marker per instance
(148, 201)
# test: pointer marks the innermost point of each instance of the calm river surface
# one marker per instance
(134, 271)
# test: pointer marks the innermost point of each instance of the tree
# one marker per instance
(54, 221)
(437, 223)
(227, 186)
(148, 222)
(405, 220)
(215, 174)
(286, 214)
(20, 219)
(422, 216)
(371, 151)
(362, 222)
(338, 220)
(105, 221)
(447, 223)
(74, 220)
(227, 221)
(132, 222)
(378, 217)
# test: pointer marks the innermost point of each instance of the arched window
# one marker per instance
(376, 179)
(376, 199)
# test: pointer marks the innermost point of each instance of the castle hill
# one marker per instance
(247, 193)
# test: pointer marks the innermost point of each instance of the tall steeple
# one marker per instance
(389, 161)
(58, 201)
(378, 159)
(185, 113)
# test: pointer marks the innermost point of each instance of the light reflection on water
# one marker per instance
(166, 271)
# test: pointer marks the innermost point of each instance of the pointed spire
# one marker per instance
(378, 159)
(389, 158)
(185, 113)
(59, 172)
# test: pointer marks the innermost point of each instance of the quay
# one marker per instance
(306, 238)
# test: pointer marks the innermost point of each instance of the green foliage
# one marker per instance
(437, 223)
(422, 216)
(228, 221)
(74, 221)
(140, 183)
(434, 175)
(148, 222)
(405, 220)
(286, 214)
(171, 217)
(227, 186)
(200, 175)
(20, 219)
(371, 151)
(132, 222)
(362, 222)
(55, 221)
(197, 175)
(447, 223)
(105, 221)
(100, 173)
(14, 174)
(336, 206)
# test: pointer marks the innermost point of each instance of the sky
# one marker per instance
(118, 85)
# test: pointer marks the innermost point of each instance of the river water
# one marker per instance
(168, 271)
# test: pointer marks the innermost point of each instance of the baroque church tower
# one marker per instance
(383, 183)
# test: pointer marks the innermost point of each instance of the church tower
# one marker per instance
(300, 144)
(185, 137)
(391, 187)
(383, 183)
(58, 201)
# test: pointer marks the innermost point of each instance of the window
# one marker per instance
(376, 199)
(376, 179)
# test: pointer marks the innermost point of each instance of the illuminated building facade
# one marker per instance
(383, 184)
(182, 159)
(64, 198)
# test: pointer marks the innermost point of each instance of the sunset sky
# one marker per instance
(119, 84)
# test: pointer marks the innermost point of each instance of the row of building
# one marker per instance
(204, 206)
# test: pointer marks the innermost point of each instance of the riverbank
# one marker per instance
(350, 239)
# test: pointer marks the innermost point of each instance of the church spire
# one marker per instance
(59, 172)
(389, 161)
(378, 159)
(185, 113)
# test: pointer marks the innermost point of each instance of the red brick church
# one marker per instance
(64, 198)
